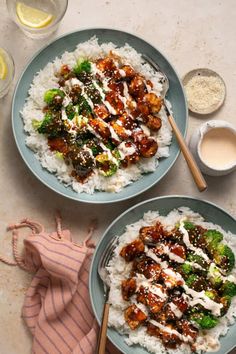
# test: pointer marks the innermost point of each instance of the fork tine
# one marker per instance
(107, 253)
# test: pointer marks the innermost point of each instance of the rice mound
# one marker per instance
(119, 269)
(45, 79)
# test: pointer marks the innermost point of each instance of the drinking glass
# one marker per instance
(56, 8)
(10, 69)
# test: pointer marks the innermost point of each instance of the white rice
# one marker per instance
(119, 270)
(45, 79)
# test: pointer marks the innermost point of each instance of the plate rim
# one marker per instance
(76, 197)
(177, 196)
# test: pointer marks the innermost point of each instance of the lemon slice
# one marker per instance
(31, 17)
(3, 67)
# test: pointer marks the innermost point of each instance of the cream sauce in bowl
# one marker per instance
(213, 145)
(218, 148)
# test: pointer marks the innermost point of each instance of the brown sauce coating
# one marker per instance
(134, 316)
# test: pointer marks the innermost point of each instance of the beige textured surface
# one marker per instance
(191, 34)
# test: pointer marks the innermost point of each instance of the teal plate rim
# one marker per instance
(49, 179)
(95, 284)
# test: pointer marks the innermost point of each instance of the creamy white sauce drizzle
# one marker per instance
(109, 154)
(171, 255)
(202, 299)
(145, 129)
(66, 100)
(152, 255)
(102, 94)
(183, 338)
(125, 150)
(189, 245)
(175, 310)
(194, 265)
(113, 134)
(141, 280)
(216, 271)
(110, 108)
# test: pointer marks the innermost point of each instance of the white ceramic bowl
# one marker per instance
(195, 143)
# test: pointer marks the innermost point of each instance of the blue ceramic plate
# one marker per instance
(164, 205)
(68, 43)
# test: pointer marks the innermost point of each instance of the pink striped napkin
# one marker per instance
(57, 307)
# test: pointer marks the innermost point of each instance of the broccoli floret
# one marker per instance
(105, 165)
(212, 294)
(48, 118)
(188, 225)
(83, 106)
(214, 276)
(191, 279)
(196, 282)
(223, 257)
(93, 93)
(228, 289)
(204, 320)
(82, 65)
(116, 154)
(50, 95)
(185, 269)
(197, 259)
(70, 111)
(213, 236)
(225, 301)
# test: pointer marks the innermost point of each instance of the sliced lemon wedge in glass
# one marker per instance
(32, 17)
(3, 67)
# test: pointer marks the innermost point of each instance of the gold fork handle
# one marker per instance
(102, 338)
(194, 169)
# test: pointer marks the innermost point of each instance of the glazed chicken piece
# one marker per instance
(137, 86)
(130, 159)
(123, 126)
(117, 87)
(171, 278)
(58, 144)
(155, 302)
(106, 65)
(153, 123)
(180, 302)
(129, 71)
(142, 109)
(187, 329)
(142, 295)
(152, 234)
(150, 297)
(176, 307)
(170, 340)
(147, 267)
(178, 250)
(132, 250)
(134, 316)
(153, 271)
(100, 127)
(154, 102)
(147, 147)
(116, 103)
(101, 111)
(128, 288)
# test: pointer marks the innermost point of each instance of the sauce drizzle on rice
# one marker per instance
(181, 296)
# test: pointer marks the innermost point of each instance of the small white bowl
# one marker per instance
(195, 144)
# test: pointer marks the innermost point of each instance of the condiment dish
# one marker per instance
(209, 160)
